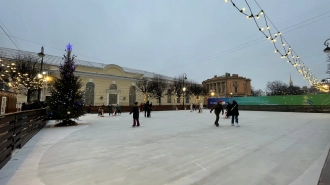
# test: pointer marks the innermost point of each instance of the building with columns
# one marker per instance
(228, 86)
(103, 83)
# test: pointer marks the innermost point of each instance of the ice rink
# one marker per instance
(176, 148)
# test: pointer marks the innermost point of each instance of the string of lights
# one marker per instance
(286, 52)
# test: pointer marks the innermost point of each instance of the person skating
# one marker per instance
(217, 109)
(135, 111)
(149, 110)
(118, 109)
(234, 113)
(228, 112)
(110, 108)
(145, 108)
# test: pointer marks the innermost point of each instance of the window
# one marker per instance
(177, 100)
(132, 96)
(89, 93)
(113, 96)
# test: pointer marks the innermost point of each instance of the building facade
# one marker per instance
(228, 86)
(104, 84)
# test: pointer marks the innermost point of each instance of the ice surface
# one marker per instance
(176, 148)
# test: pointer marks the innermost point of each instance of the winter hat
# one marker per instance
(220, 101)
(135, 103)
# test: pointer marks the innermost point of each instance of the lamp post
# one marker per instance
(41, 54)
(184, 88)
(327, 49)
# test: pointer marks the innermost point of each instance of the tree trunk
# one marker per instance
(28, 96)
(159, 101)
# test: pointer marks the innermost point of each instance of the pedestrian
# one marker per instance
(118, 109)
(145, 108)
(228, 112)
(149, 110)
(89, 108)
(135, 111)
(191, 107)
(234, 113)
(217, 109)
(141, 107)
(110, 108)
(194, 107)
(201, 107)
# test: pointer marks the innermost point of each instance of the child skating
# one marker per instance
(135, 111)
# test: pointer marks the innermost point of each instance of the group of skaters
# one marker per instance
(113, 110)
(231, 110)
(147, 108)
(193, 107)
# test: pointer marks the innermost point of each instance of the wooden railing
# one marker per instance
(16, 129)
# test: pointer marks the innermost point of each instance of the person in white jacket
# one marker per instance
(191, 107)
(201, 107)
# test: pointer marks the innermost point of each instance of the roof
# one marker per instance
(56, 61)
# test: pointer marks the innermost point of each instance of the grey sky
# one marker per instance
(172, 36)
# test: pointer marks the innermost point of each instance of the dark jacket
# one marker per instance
(229, 106)
(234, 109)
(217, 109)
(135, 112)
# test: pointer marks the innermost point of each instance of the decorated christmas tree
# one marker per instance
(66, 102)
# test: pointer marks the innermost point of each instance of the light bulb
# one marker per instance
(283, 44)
(261, 29)
(275, 51)
(258, 17)
(288, 61)
(226, 1)
(243, 9)
(262, 12)
(268, 27)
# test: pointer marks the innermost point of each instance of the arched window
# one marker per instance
(113, 96)
(132, 95)
(89, 93)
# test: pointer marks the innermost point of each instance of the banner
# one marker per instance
(307, 99)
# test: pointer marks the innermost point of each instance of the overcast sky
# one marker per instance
(173, 37)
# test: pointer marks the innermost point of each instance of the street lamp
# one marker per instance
(41, 54)
(327, 49)
(184, 88)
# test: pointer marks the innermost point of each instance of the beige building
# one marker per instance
(228, 85)
(104, 83)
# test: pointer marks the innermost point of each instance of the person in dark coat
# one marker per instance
(217, 109)
(89, 108)
(146, 107)
(110, 108)
(149, 110)
(135, 111)
(234, 113)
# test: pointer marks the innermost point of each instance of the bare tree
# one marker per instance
(158, 86)
(256, 92)
(178, 87)
(144, 86)
(276, 88)
(196, 89)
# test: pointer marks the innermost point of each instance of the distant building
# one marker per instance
(228, 85)
(290, 82)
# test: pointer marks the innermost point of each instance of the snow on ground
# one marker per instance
(176, 148)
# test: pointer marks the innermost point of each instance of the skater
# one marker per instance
(141, 107)
(201, 107)
(145, 108)
(135, 112)
(118, 109)
(99, 112)
(191, 107)
(110, 108)
(194, 107)
(228, 112)
(149, 110)
(89, 108)
(234, 113)
(217, 109)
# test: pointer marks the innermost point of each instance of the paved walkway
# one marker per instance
(176, 148)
